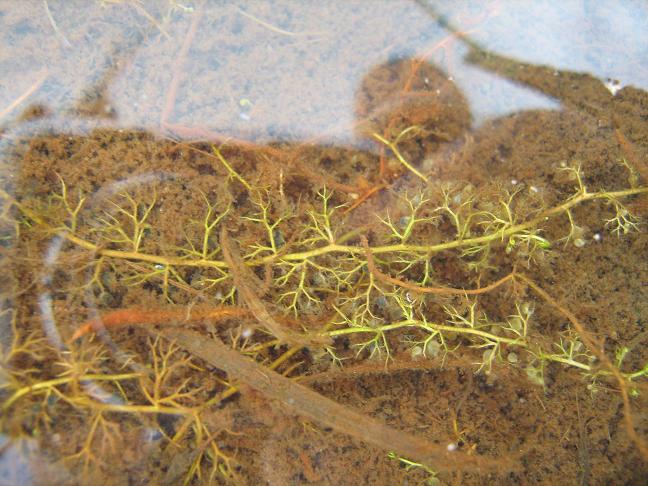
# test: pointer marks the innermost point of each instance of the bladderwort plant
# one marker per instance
(368, 293)
(85, 388)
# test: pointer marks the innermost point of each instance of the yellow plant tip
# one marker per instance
(399, 156)
(230, 169)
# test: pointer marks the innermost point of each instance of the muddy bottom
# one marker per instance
(479, 292)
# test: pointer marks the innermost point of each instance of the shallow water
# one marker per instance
(289, 71)
(488, 137)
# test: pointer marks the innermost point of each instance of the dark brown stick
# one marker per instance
(329, 413)
(243, 280)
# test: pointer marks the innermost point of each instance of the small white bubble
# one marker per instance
(597, 237)
(514, 181)
(247, 333)
(613, 86)
(451, 447)
(417, 352)
(151, 435)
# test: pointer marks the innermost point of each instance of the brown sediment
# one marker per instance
(639, 166)
(596, 347)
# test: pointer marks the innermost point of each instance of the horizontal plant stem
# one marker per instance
(567, 361)
(637, 374)
(43, 385)
(143, 257)
(127, 408)
(356, 250)
(427, 327)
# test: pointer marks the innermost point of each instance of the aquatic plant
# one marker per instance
(448, 269)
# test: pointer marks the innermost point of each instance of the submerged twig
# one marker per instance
(243, 277)
(127, 317)
(329, 413)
